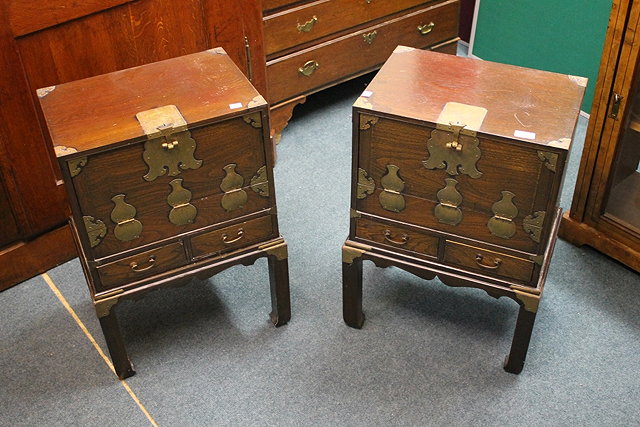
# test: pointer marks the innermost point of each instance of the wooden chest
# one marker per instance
(168, 167)
(311, 45)
(457, 168)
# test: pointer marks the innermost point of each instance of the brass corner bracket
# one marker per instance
(529, 297)
(277, 249)
(352, 251)
(103, 305)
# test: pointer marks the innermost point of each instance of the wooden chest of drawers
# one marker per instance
(169, 171)
(457, 167)
(311, 45)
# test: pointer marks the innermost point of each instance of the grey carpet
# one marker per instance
(428, 354)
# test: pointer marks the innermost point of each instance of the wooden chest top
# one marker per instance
(412, 84)
(88, 114)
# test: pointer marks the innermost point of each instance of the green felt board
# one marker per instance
(563, 36)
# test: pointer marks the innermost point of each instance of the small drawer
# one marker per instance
(232, 237)
(396, 236)
(488, 262)
(142, 265)
(311, 69)
(321, 18)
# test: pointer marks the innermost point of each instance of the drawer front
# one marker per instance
(232, 237)
(418, 242)
(321, 18)
(113, 193)
(140, 266)
(268, 5)
(358, 52)
(487, 262)
(458, 203)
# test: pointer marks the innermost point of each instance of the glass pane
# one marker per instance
(623, 205)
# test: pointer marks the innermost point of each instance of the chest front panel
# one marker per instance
(491, 190)
(224, 179)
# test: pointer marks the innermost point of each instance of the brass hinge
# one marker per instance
(247, 48)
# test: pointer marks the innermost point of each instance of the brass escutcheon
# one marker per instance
(446, 150)
(369, 37)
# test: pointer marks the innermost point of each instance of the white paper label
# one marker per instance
(235, 106)
(524, 134)
(366, 94)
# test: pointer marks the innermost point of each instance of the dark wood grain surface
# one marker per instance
(547, 105)
(88, 114)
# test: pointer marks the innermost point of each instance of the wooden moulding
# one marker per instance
(36, 256)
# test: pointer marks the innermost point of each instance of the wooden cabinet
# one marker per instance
(457, 167)
(56, 41)
(606, 203)
(168, 167)
(311, 45)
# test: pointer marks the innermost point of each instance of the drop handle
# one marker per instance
(480, 261)
(615, 107)
(307, 26)
(308, 68)
(403, 239)
(150, 263)
(425, 29)
(227, 241)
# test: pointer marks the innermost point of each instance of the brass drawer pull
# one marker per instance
(496, 262)
(151, 262)
(403, 241)
(307, 26)
(308, 68)
(225, 237)
(369, 37)
(425, 29)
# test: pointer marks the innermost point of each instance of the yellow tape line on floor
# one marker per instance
(66, 305)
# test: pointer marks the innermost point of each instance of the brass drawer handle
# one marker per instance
(225, 237)
(496, 262)
(425, 29)
(369, 37)
(308, 68)
(307, 26)
(151, 262)
(403, 241)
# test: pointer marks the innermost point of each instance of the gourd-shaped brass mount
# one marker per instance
(183, 212)
(453, 148)
(504, 211)
(234, 196)
(390, 198)
(127, 227)
(447, 210)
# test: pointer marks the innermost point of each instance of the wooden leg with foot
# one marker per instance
(115, 344)
(521, 337)
(280, 298)
(352, 293)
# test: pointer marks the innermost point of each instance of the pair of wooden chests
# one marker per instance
(457, 168)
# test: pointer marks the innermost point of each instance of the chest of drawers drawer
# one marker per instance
(326, 63)
(300, 25)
